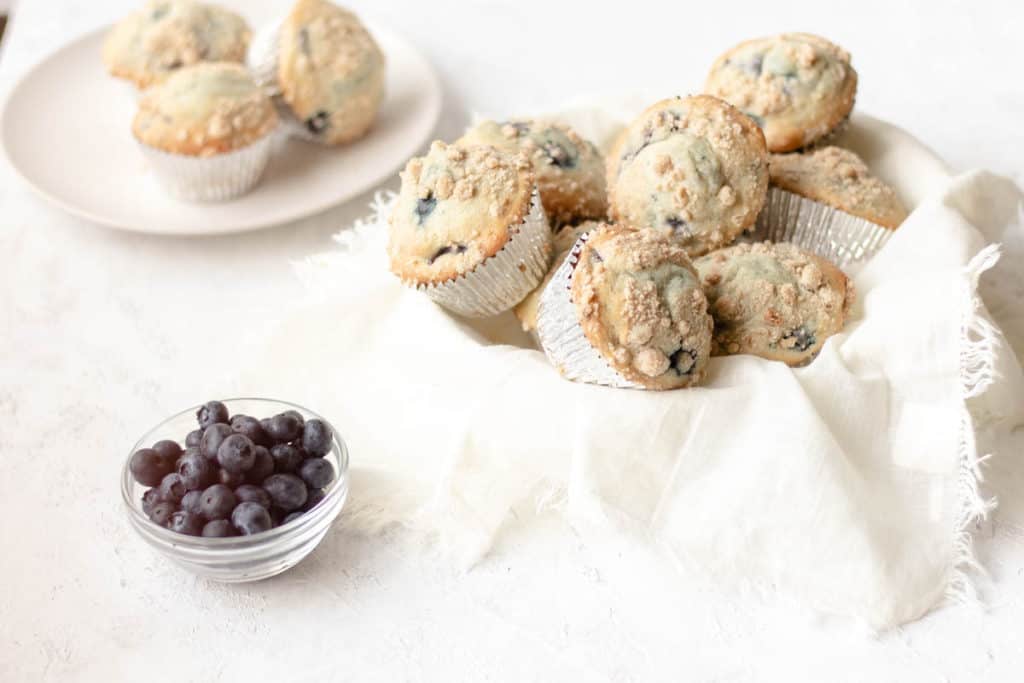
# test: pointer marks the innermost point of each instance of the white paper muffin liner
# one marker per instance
(561, 336)
(844, 239)
(215, 178)
(503, 280)
(262, 62)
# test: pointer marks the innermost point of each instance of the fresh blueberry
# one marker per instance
(298, 417)
(196, 471)
(214, 412)
(292, 515)
(172, 488)
(237, 453)
(213, 437)
(169, 450)
(250, 493)
(230, 479)
(193, 438)
(219, 528)
(217, 502)
(149, 499)
(313, 498)
(251, 518)
(148, 467)
(283, 428)
(286, 458)
(316, 438)
(316, 472)
(251, 428)
(190, 502)
(262, 466)
(186, 523)
(162, 511)
(286, 491)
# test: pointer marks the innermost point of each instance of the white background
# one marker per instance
(102, 334)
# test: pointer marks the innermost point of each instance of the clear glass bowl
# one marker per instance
(239, 558)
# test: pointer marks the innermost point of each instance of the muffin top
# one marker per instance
(526, 310)
(797, 86)
(776, 301)
(695, 168)
(839, 178)
(570, 169)
(329, 69)
(205, 109)
(167, 35)
(457, 207)
(640, 304)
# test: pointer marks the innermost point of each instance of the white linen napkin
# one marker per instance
(851, 485)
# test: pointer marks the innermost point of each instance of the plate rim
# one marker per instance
(228, 226)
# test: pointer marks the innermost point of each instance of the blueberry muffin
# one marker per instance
(839, 178)
(206, 130)
(167, 35)
(626, 309)
(326, 68)
(562, 242)
(570, 169)
(798, 87)
(694, 168)
(468, 228)
(775, 301)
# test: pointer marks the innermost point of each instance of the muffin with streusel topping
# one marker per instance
(693, 168)
(206, 131)
(167, 35)
(469, 229)
(325, 70)
(775, 301)
(569, 168)
(626, 309)
(799, 87)
(840, 179)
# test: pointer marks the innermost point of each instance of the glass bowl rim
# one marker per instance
(337, 489)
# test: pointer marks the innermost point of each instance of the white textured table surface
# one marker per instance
(102, 334)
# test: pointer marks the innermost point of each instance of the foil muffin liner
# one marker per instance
(261, 59)
(214, 178)
(503, 280)
(844, 239)
(561, 336)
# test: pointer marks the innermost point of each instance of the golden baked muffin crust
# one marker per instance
(640, 304)
(799, 87)
(164, 36)
(205, 109)
(694, 168)
(457, 207)
(776, 301)
(569, 168)
(330, 71)
(839, 178)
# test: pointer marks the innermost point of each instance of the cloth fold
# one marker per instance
(850, 485)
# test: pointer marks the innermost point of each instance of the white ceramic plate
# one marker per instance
(66, 128)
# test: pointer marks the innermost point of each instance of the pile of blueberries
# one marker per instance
(237, 474)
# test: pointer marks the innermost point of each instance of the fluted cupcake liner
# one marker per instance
(561, 335)
(842, 238)
(503, 280)
(213, 178)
